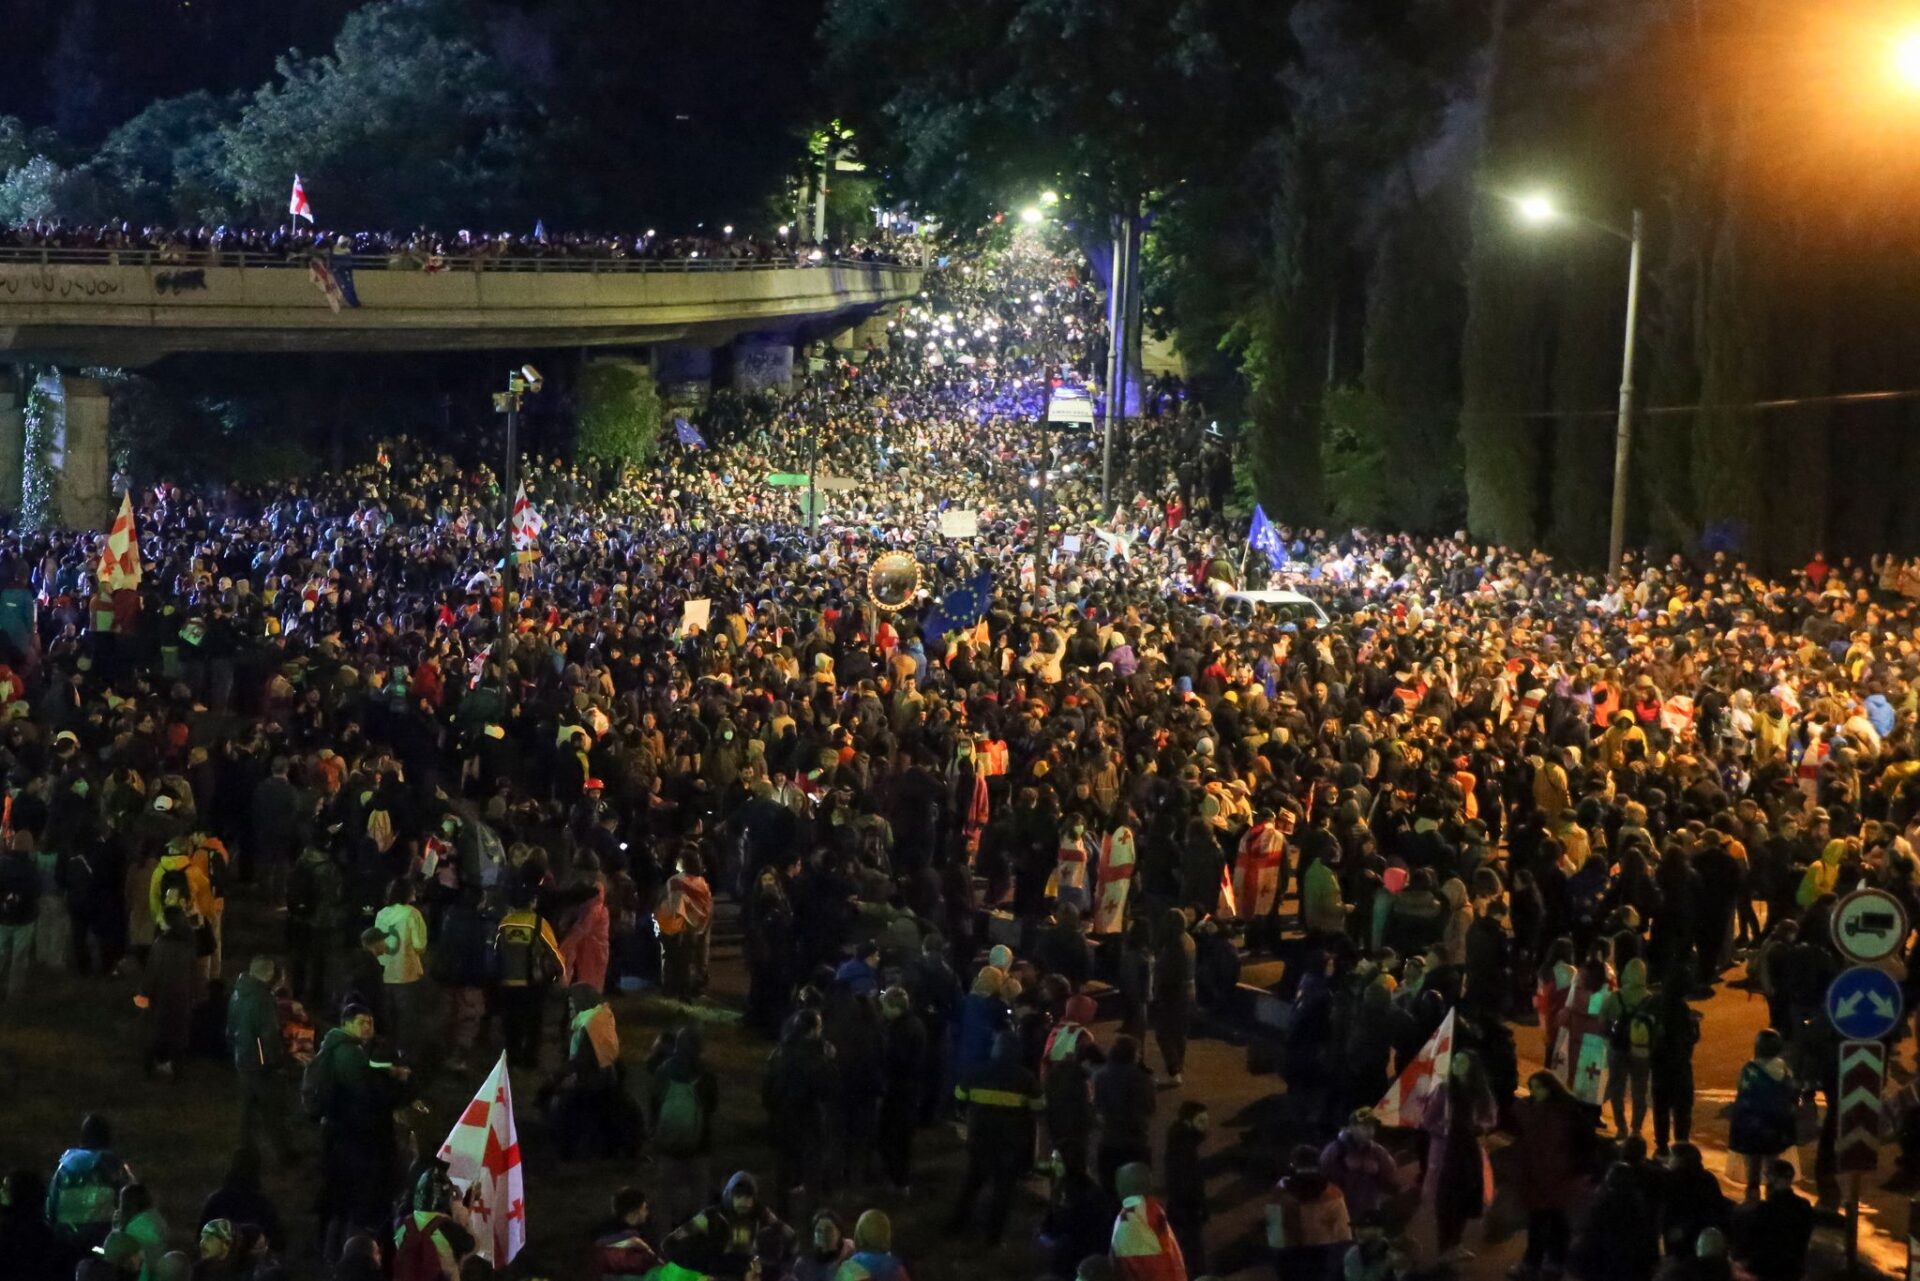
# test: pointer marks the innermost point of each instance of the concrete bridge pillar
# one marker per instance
(13, 438)
(77, 457)
(762, 363)
(684, 374)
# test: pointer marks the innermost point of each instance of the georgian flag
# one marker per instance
(528, 523)
(483, 1163)
(1407, 1097)
(297, 206)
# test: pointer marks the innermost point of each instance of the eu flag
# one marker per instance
(343, 276)
(962, 607)
(687, 434)
(1265, 537)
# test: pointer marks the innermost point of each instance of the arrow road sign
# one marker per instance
(1869, 925)
(1863, 1075)
(1864, 1004)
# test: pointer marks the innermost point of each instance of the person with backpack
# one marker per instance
(19, 911)
(527, 964)
(1628, 1014)
(259, 1054)
(86, 1186)
(681, 1102)
(1676, 1030)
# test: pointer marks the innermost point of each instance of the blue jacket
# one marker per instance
(1880, 714)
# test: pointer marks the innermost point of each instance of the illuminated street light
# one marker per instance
(1537, 210)
(1049, 197)
(1906, 60)
(783, 231)
(1031, 215)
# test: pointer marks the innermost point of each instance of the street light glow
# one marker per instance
(1031, 215)
(1049, 197)
(1906, 60)
(1537, 210)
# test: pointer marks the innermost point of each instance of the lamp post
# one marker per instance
(519, 382)
(1538, 211)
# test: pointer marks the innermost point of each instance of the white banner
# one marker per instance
(959, 524)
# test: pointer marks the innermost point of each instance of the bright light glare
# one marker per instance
(1031, 215)
(1049, 197)
(1537, 210)
(1906, 60)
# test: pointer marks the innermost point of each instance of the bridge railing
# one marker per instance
(52, 256)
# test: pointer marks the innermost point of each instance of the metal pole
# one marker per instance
(1623, 427)
(1116, 352)
(513, 464)
(1853, 1226)
(820, 197)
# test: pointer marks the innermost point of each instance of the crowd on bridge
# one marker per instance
(997, 844)
(423, 250)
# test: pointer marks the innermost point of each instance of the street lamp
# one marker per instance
(1539, 210)
(1031, 215)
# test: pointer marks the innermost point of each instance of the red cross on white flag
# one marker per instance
(1407, 1097)
(483, 1162)
(528, 523)
(297, 206)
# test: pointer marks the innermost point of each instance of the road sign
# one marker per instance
(1863, 1076)
(1863, 1004)
(1869, 925)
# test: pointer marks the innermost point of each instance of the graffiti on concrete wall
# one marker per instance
(55, 282)
(762, 366)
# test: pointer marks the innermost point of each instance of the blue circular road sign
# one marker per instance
(1864, 1004)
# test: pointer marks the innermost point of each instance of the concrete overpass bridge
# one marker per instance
(683, 319)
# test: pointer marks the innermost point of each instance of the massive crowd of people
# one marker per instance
(423, 250)
(484, 786)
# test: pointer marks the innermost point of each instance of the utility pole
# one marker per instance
(1623, 425)
(519, 382)
(1119, 328)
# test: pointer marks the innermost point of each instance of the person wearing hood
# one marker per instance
(1002, 1101)
(983, 1014)
(1628, 1015)
(825, 1249)
(259, 1057)
(723, 1240)
(1823, 875)
(682, 1097)
(873, 1258)
(1367, 1174)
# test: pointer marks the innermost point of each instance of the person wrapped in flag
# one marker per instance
(1115, 881)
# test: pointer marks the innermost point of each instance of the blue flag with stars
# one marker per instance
(687, 434)
(962, 607)
(1265, 537)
